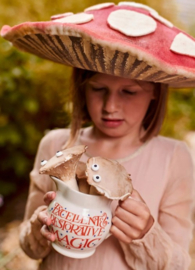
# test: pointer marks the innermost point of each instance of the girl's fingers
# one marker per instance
(136, 208)
(47, 234)
(125, 216)
(130, 232)
(133, 217)
(129, 218)
(136, 205)
(43, 218)
(49, 196)
(120, 235)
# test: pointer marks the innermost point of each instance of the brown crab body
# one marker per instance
(109, 178)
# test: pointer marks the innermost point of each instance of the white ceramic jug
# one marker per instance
(80, 221)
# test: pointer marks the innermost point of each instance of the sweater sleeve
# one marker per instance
(31, 241)
(166, 244)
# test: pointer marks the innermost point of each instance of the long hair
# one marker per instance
(152, 121)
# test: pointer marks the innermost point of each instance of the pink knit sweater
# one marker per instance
(162, 172)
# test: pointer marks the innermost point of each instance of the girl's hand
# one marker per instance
(132, 219)
(44, 219)
(35, 236)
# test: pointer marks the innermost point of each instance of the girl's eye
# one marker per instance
(96, 89)
(129, 92)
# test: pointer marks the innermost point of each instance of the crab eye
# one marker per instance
(59, 153)
(43, 162)
(95, 167)
(97, 178)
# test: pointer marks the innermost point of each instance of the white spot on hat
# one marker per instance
(161, 19)
(138, 5)
(77, 18)
(59, 16)
(184, 45)
(152, 11)
(131, 23)
(100, 6)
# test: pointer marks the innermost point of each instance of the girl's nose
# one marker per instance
(111, 103)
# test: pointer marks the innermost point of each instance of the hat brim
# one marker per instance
(77, 46)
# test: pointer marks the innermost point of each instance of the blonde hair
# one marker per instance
(152, 121)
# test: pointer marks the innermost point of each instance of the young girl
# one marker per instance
(151, 229)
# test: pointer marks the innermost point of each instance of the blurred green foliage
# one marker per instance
(180, 113)
(32, 96)
(33, 92)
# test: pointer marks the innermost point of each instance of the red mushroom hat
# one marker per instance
(129, 40)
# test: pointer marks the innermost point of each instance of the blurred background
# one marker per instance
(33, 100)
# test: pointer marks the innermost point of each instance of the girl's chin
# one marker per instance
(112, 132)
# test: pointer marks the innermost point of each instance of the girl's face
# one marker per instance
(117, 105)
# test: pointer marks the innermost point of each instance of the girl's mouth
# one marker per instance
(112, 122)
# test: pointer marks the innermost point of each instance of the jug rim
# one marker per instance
(75, 191)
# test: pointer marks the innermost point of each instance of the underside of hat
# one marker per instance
(129, 40)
